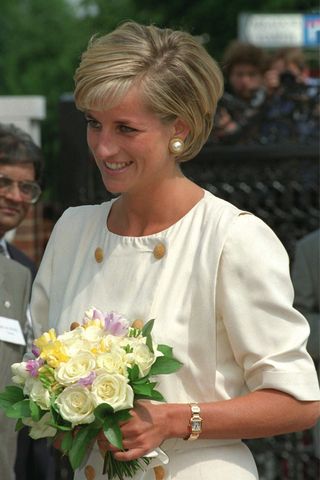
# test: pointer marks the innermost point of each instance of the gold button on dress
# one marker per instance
(159, 251)
(90, 472)
(98, 255)
(159, 473)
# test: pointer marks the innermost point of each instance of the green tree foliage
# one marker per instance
(40, 44)
(41, 41)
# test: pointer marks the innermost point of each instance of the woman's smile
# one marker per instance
(117, 166)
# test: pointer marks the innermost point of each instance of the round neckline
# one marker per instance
(152, 235)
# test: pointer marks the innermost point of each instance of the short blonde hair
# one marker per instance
(176, 75)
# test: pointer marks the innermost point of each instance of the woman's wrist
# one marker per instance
(177, 420)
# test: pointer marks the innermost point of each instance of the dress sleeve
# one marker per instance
(254, 298)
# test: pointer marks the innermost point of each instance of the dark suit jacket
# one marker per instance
(20, 257)
(305, 278)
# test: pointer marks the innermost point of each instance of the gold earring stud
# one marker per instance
(176, 145)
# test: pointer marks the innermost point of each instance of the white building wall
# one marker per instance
(25, 111)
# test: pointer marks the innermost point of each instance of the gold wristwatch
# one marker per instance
(195, 424)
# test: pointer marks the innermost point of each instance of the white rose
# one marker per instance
(79, 345)
(76, 405)
(20, 373)
(93, 333)
(71, 335)
(40, 429)
(113, 362)
(77, 367)
(30, 381)
(142, 357)
(74, 343)
(40, 395)
(112, 389)
(108, 342)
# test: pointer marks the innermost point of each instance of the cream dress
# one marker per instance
(221, 295)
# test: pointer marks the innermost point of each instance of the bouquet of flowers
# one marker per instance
(87, 380)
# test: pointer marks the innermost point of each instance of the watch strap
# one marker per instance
(195, 423)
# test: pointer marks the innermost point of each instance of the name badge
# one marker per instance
(11, 331)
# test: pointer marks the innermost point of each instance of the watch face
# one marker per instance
(196, 425)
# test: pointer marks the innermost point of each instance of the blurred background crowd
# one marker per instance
(262, 154)
(270, 98)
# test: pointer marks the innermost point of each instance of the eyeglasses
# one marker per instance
(29, 191)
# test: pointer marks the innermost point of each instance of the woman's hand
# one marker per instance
(146, 430)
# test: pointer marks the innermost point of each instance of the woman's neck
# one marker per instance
(155, 210)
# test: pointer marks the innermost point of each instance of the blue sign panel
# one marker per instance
(311, 30)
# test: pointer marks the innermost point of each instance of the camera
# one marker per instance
(287, 79)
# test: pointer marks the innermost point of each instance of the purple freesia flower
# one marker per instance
(116, 324)
(33, 366)
(87, 381)
(97, 315)
(35, 350)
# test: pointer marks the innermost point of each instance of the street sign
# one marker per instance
(280, 30)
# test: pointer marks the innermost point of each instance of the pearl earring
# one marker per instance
(176, 145)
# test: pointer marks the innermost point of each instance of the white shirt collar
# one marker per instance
(3, 243)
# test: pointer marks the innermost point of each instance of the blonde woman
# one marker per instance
(215, 278)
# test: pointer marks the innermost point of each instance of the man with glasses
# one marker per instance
(21, 166)
(20, 172)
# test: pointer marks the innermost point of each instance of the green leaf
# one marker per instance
(35, 411)
(145, 389)
(67, 442)
(57, 421)
(166, 350)
(122, 415)
(149, 343)
(58, 426)
(19, 410)
(10, 396)
(146, 332)
(81, 442)
(102, 411)
(147, 328)
(165, 365)
(157, 396)
(133, 373)
(113, 433)
(19, 425)
(57, 417)
(139, 381)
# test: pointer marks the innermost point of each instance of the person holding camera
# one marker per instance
(240, 107)
(291, 112)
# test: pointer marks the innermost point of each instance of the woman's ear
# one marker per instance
(181, 129)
